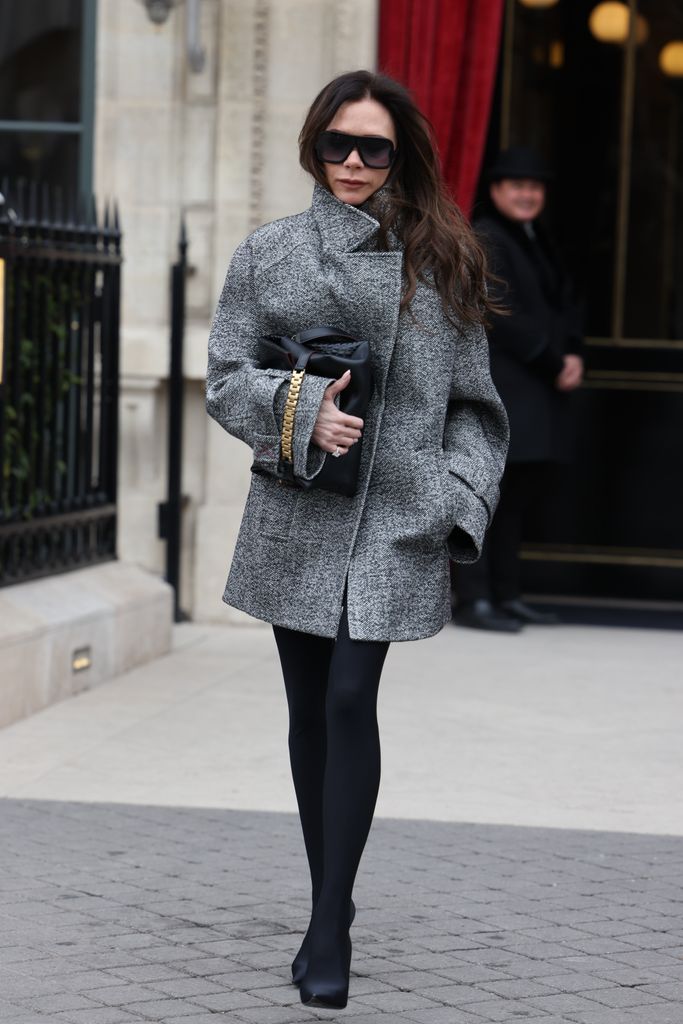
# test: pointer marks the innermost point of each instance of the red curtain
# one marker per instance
(446, 52)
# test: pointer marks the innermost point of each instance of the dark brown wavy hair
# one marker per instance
(437, 240)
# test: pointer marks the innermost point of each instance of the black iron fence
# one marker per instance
(59, 353)
(170, 511)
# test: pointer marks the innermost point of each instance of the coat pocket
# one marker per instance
(273, 506)
(419, 513)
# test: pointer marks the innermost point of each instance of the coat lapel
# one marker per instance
(365, 284)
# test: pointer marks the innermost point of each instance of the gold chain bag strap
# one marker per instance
(290, 412)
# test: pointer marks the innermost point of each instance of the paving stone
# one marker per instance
(395, 1001)
(156, 1008)
(122, 995)
(203, 1018)
(443, 1015)
(569, 1003)
(503, 1010)
(577, 981)
(188, 986)
(468, 974)
(669, 1013)
(61, 1001)
(99, 1015)
(230, 1001)
(274, 1015)
(207, 966)
(457, 995)
(142, 973)
(624, 996)
(195, 1018)
(517, 988)
(666, 989)
(603, 1015)
(247, 980)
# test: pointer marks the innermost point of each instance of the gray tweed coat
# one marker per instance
(434, 441)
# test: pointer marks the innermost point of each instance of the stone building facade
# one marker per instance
(220, 146)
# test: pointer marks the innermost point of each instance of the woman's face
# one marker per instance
(351, 181)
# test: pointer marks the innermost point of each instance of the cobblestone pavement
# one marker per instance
(113, 912)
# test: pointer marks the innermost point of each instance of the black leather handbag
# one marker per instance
(325, 352)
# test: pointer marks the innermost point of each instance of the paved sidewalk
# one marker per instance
(568, 726)
(151, 868)
(115, 913)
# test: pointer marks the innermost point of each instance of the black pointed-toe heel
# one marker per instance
(327, 984)
(300, 962)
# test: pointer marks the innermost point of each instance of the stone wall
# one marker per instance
(220, 145)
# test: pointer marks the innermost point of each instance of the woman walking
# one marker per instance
(383, 254)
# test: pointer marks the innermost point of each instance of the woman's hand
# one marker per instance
(333, 428)
(571, 375)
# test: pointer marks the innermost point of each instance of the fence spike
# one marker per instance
(33, 202)
(58, 206)
(20, 207)
(81, 212)
(105, 219)
(45, 205)
(4, 203)
(70, 209)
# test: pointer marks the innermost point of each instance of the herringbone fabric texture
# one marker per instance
(434, 443)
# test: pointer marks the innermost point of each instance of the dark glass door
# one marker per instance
(607, 113)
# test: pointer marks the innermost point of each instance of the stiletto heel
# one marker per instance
(300, 962)
(329, 986)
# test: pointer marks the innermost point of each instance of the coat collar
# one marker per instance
(343, 227)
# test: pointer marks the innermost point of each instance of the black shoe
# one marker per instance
(300, 962)
(524, 613)
(482, 615)
(326, 982)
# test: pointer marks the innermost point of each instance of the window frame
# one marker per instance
(84, 128)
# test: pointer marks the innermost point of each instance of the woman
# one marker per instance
(383, 254)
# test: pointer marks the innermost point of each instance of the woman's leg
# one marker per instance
(352, 773)
(305, 661)
(352, 770)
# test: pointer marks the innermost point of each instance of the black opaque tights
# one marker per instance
(334, 753)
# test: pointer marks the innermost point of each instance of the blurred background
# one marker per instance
(141, 140)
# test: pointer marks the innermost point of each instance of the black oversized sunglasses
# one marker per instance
(374, 150)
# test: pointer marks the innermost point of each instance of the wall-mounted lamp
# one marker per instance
(671, 59)
(610, 22)
(158, 12)
(539, 4)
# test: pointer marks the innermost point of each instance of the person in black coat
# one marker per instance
(535, 363)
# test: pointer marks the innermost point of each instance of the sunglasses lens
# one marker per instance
(376, 153)
(333, 148)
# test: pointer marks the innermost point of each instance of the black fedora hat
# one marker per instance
(519, 162)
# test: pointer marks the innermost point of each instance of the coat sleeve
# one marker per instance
(245, 399)
(476, 438)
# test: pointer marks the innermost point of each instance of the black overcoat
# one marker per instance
(527, 346)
